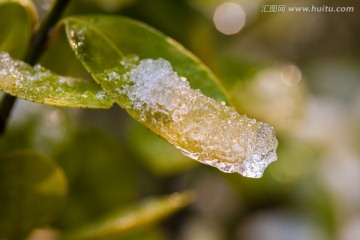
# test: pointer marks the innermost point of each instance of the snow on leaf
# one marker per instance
(40, 85)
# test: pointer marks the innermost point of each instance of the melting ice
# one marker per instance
(205, 130)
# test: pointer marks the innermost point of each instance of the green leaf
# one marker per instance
(135, 38)
(17, 21)
(122, 221)
(42, 86)
(157, 94)
(28, 6)
(33, 188)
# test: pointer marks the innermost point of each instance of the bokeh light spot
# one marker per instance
(229, 18)
(290, 75)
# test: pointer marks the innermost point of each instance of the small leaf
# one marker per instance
(42, 86)
(143, 214)
(33, 188)
(17, 21)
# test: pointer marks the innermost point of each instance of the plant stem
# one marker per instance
(36, 48)
(39, 39)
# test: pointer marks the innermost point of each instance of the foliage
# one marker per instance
(33, 190)
(40, 85)
(84, 173)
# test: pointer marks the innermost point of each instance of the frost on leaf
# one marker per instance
(202, 128)
(42, 86)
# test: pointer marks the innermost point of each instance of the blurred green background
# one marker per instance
(299, 72)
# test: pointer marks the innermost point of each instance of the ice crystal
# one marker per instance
(41, 85)
(205, 130)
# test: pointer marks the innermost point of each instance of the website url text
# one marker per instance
(305, 9)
